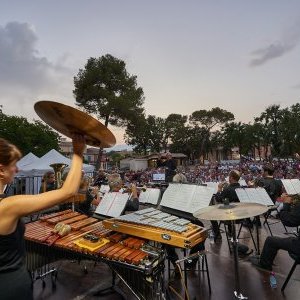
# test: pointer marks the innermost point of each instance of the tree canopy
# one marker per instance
(35, 137)
(106, 89)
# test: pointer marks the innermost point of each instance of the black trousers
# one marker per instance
(16, 285)
(273, 244)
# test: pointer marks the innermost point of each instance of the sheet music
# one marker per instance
(242, 195)
(254, 195)
(213, 185)
(201, 197)
(242, 182)
(149, 196)
(112, 204)
(264, 196)
(288, 186)
(296, 184)
(173, 198)
(186, 197)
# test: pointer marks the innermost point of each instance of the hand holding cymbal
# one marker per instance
(68, 120)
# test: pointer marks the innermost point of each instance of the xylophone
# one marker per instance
(158, 226)
(129, 257)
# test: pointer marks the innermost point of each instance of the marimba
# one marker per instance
(135, 260)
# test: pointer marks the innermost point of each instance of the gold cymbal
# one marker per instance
(236, 211)
(68, 120)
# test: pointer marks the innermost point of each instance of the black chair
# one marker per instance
(269, 223)
(296, 259)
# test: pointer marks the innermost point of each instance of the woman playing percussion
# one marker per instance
(15, 281)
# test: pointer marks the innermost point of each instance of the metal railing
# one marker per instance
(28, 185)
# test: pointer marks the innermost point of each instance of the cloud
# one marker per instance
(297, 86)
(277, 49)
(25, 75)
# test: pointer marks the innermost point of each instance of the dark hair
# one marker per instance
(269, 169)
(8, 152)
(235, 175)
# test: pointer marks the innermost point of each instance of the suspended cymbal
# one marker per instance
(236, 211)
(68, 120)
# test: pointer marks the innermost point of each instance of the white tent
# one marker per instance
(39, 166)
(26, 160)
(32, 173)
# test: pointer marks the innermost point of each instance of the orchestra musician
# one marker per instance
(48, 182)
(226, 191)
(179, 177)
(290, 212)
(101, 178)
(15, 281)
(272, 186)
(289, 216)
(271, 246)
(91, 196)
(115, 183)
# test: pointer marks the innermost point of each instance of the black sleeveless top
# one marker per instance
(12, 248)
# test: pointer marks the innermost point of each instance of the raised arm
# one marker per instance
(14, 207)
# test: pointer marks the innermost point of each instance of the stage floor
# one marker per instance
(73, 283)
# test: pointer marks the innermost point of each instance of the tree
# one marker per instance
(28, 137)
(172, 124)
(106, 89)
(234, 134)
(290, 130)
(115, 157)
(271, 119)
(137, 133)
(146, 134)
(211, 118)
(207, 120)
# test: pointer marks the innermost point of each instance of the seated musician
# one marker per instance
(48, 182)
(272, 186)
(179, 177)
(15, 281)
(226, 191)
(91, 197)
(100, 179)
(270, 249)
(115, 183)
(290, 212)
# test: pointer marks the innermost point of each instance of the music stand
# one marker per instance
(112, 204)
(188, 198)
(232, 212)
(255, 195)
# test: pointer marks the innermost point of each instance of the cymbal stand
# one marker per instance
(234, 240)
